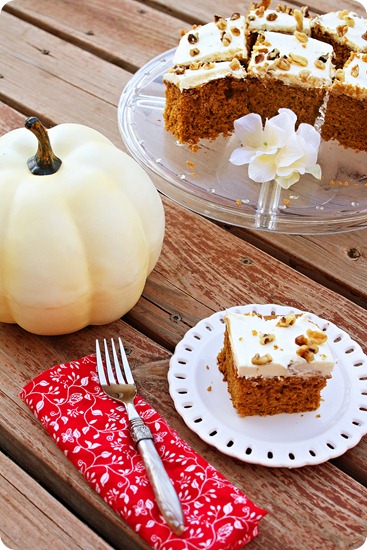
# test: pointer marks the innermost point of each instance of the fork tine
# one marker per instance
(110, 375)
(125, 362)
(116, 362)
(100, 367)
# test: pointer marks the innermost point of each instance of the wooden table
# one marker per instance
(68, 61)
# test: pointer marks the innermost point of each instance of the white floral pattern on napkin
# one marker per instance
(91, 429)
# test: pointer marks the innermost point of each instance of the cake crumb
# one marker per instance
(209, 388)
(190, 164)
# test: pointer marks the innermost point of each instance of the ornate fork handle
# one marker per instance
(165, 494)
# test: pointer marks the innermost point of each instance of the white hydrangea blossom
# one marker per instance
(277, 151)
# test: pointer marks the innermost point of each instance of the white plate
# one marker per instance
(215, 188)
(285, 440)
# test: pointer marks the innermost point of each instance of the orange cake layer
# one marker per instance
(196, 113)
(275, 372)
(346, 115)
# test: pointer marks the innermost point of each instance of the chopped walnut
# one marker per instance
(180, 70)
(316, 336)
(342, 13)
(208, 65)
(301, 340)
(298, 15)
(235, 64)
(266, 338)
(260, 11)
(221, 23)
(195, 66)
(235, 31)
(342, 30)
(283, 64)
(235, 16)
(320, 64)
(259, 58)
(192, 38)
(274, 54)
(306, 353)
(364, 36)
(287, 320)
(252, 17)
(350, 21)
(226, 39)
(271, 17)
(299, 59)
(301, 36)
(355, 71)
(263, 360)
(194, 51)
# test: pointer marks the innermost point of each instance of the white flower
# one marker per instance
(277, 151)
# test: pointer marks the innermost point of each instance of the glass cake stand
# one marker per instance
(207, 183)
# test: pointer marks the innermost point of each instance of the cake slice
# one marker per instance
(206, 89)
(283, 19)
(344, 30)
(345, 118)
(291, 71)
(274, 364)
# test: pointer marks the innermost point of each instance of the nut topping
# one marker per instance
(287, 320)
(192, 38)
(299, 59)
(263, 360)
(194, 51)
(266, 338)
(301, 36)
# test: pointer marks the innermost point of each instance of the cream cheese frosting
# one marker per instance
(352, 79)
(345, 27)
(277, 21)
(293, 59)
(221, 40)
(192, 78)
(281, 344)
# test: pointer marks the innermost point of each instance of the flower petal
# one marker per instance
(314, 170)
(262, 168)
(291, 152)
(241, 155)
(249, 130)
(278, 128)
(288, 181)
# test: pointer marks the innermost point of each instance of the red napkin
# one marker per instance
(92, 430)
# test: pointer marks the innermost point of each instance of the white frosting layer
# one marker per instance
(276, 21)
(355, 71)
(356, 27)
(284, 45)
(213, 43)
(245, 332)
(194, 78)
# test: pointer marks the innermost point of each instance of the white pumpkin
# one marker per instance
(76, 245)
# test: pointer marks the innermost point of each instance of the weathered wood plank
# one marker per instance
(29, 513)
(70, 77)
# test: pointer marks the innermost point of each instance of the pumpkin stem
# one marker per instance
(44, 162)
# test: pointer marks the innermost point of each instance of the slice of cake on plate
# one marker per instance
(206, 89)
(344, 30)
(291, 71)
(274, 364)
(346, 114)
(283, 19)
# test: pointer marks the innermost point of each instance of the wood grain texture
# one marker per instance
(77, 77)
(73, 68)
(29, 513)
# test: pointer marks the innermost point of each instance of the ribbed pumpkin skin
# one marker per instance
(76, 246)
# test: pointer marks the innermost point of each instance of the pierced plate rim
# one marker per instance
(201, 398)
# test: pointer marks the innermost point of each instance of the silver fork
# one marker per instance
(120, 385)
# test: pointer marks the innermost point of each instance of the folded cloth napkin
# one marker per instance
(92, 430)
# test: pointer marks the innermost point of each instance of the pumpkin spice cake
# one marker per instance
(344, 30)
(292, 71)
(345, 118)
(274, 364)
(206, 90)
